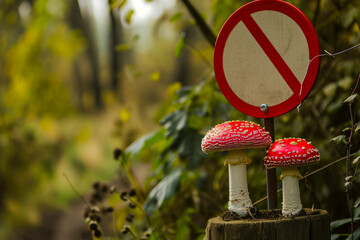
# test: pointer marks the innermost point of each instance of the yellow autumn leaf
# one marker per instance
(124, 115)
(173, 88)
(155, 76)
(129, 15)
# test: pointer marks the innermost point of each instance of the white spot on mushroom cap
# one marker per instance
(229, 136)
(299, 152)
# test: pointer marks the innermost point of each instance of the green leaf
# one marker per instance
(335, 106)
(357, 212)
(356, 160)
(346, 129)
(334, 236)
(190, 148)
(356, 234)
(163, 191)
(182, 225)
(345, 83)
(338, 223)
(357, 203)
(176, 17)
(197, 122)
(174, 122)
(145, 142)
(122, 3)
(357, 127)
(348, 17)
(129, 15)
(351, 99)
(180, 44)
(339, 139)
(330, 90)
(117, 4)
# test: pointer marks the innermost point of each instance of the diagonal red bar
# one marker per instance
(272, 53)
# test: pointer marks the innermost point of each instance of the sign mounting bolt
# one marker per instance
(264, 108)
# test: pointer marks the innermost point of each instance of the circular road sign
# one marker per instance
(262, 55)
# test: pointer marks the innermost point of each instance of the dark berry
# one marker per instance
(93, 225)
(132, 205)
(96, 185)
(123, 196)
(105, 189)
(125, 230)
(117, 153)
(97, 233)
(130, 217)
(96, 218)
(96, 197)
(110, 209)
(132, 193)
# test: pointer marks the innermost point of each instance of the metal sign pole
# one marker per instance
(271, 173)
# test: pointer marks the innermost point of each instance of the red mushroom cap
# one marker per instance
(291, 152)
(235, 135)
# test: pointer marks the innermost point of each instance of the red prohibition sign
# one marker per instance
(286, 77)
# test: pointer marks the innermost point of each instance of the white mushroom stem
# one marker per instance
(239, 200)
(291, 205)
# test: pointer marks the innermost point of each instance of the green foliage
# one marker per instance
(163, 191)
(351, 99)
(180, 44)
(176, 17)
(185, 187)
(339, 223)
(36, 53)
(186, 183)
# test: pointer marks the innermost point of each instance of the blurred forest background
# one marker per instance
(79, 78)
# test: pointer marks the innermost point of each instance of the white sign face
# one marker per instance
(262, 55)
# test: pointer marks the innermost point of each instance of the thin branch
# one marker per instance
(204, 27)
(76, 192)
(326, 54)
(348, 146)
(197, 52)
(356, 85)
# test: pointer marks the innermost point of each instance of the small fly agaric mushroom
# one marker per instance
(235, 137)
(289, 154)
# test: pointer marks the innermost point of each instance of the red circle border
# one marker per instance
(312, 40)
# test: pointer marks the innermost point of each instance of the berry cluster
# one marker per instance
(93, 212)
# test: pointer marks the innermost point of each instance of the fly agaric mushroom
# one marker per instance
(289, 154)
(235, 137)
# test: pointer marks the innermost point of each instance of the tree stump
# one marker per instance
(270, 225)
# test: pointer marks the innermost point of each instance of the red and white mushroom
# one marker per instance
(235, 137)
(289, 154)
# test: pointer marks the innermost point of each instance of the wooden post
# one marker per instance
(271, 173)
(313, 226)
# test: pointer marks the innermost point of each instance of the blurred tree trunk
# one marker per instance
(77, 20)
(115, 39)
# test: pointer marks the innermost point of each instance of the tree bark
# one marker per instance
(315, 226)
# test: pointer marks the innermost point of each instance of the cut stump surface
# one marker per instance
(313, 225)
